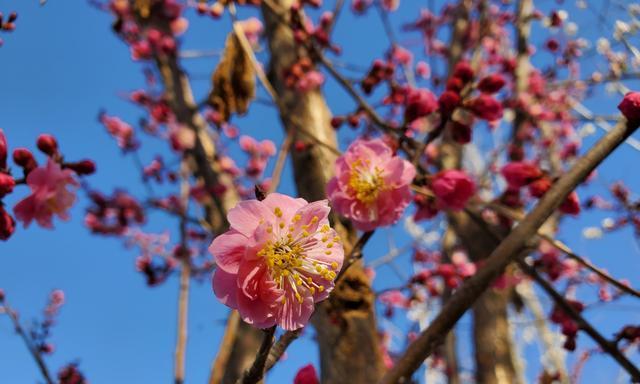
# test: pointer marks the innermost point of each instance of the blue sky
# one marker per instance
(58, 70)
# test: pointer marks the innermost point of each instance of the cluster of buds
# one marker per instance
(380, 71)
(568, 326)
(520, 174)
(113, 215)
(302, 76)
(259, 154)
(439, 274)
(145, 43)
(41, 330)
(70, 374)
(352, 119)
(304, 32)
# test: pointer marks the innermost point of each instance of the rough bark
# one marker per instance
(345, 323)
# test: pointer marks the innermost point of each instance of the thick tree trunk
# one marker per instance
(345, 323)
(491, 336)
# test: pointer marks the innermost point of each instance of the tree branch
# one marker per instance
(508, 250)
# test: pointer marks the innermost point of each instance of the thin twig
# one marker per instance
(280, 162)
(42, 366)
(606, 345)
(256, 372)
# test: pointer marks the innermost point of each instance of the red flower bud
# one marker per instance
(448, 102)
(420, 103)
(539, 187)
(630, 106)
(83, 167)
(491, 84)
(463, 71)
(3, 151)
(7, 224)
(486, 107)
(520, 173)
(337, 121)
(6, 184)
(47, 144)
(306, 375)
(571, 205)
(24, 158)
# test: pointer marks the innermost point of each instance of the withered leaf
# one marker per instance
(233, 81)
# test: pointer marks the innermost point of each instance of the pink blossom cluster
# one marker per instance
(52, 186)
(259, 154)
(302, 76)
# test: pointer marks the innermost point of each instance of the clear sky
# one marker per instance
(57, 71)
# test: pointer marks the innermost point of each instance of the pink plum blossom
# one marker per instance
(371, 186)
(278, 259)
(49, 195)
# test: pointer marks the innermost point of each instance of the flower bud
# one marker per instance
(24, 158)
(6, 184)
(47, 144)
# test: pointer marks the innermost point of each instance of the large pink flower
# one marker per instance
(50, 194)
(371, 186)
(279, 258)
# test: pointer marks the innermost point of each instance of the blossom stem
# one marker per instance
(256, 372)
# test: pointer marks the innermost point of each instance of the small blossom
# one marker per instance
(371, 186)
(279, 258)
(453, 188)
(49, 195)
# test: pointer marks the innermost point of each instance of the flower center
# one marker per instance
(286, 256)
(365, 182)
